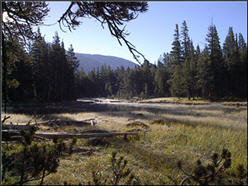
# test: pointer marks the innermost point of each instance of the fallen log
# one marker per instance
(10, 132)
(17, 127)
(50, 122)
(15, 135)
(90, 135)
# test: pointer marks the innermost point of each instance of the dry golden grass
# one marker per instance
(197, 101)
(175, 100)
(18, 118)
(237, 103)
(187, 134)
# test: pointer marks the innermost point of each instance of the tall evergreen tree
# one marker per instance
(216, 62)
(242, 47)
(40, 77)
(197, 59)
(176, 81)
(13, 52)
(185, 41)
(189, 72)
(148, 78)
(176, 52)
(160, 80)
(72, 68)
(204, 73)
(232, 63)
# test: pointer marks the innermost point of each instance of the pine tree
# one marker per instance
(216, 62)
(176, 52)
(185, 41)
(242, 47)
(197, 59)
(58, 62)
(39, 63)
(189, 71)
(23, 17)
(232, 64)
(72, 64)
(193, 68)
(176, 81)
(160, 80)
(13, 52)
(204, 73)
(187, 60)
(148, 78)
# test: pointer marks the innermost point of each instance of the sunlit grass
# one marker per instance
(187, 136)
(196, 100)
(176, 100)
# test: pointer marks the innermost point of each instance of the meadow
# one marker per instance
(168, 133)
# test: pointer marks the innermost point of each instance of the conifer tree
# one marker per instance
(160, 80)
(231, 57)
(242, 47)
(216, 62)
(72, 67)
(204, 73)
(176, 81)
(189, 68)
(185, 41)
(197, 59)
(40, 65)
(176, 52)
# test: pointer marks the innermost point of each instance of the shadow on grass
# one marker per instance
(76, 107)
(170, 122)
(47, 111)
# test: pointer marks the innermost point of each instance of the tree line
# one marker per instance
(48, 72)
(186, 71)
(42, 72)
(33, 69)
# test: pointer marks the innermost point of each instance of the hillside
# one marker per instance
(91, 61)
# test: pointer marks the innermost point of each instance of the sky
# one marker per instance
(152, 31)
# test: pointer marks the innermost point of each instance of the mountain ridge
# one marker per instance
(91, 61)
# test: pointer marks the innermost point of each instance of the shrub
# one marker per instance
(215, 172)
(32, 161)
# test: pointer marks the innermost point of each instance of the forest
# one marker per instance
(49, 72)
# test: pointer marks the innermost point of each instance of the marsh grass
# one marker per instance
(185, 133)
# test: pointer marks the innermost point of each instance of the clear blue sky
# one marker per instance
(152, 32)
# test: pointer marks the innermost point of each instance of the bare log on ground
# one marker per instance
(68, 135)
(61, 121)
(17, 127)
(90, 135)
(50, 122)
(14, 135)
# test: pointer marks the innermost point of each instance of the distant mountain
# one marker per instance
(91, 61)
